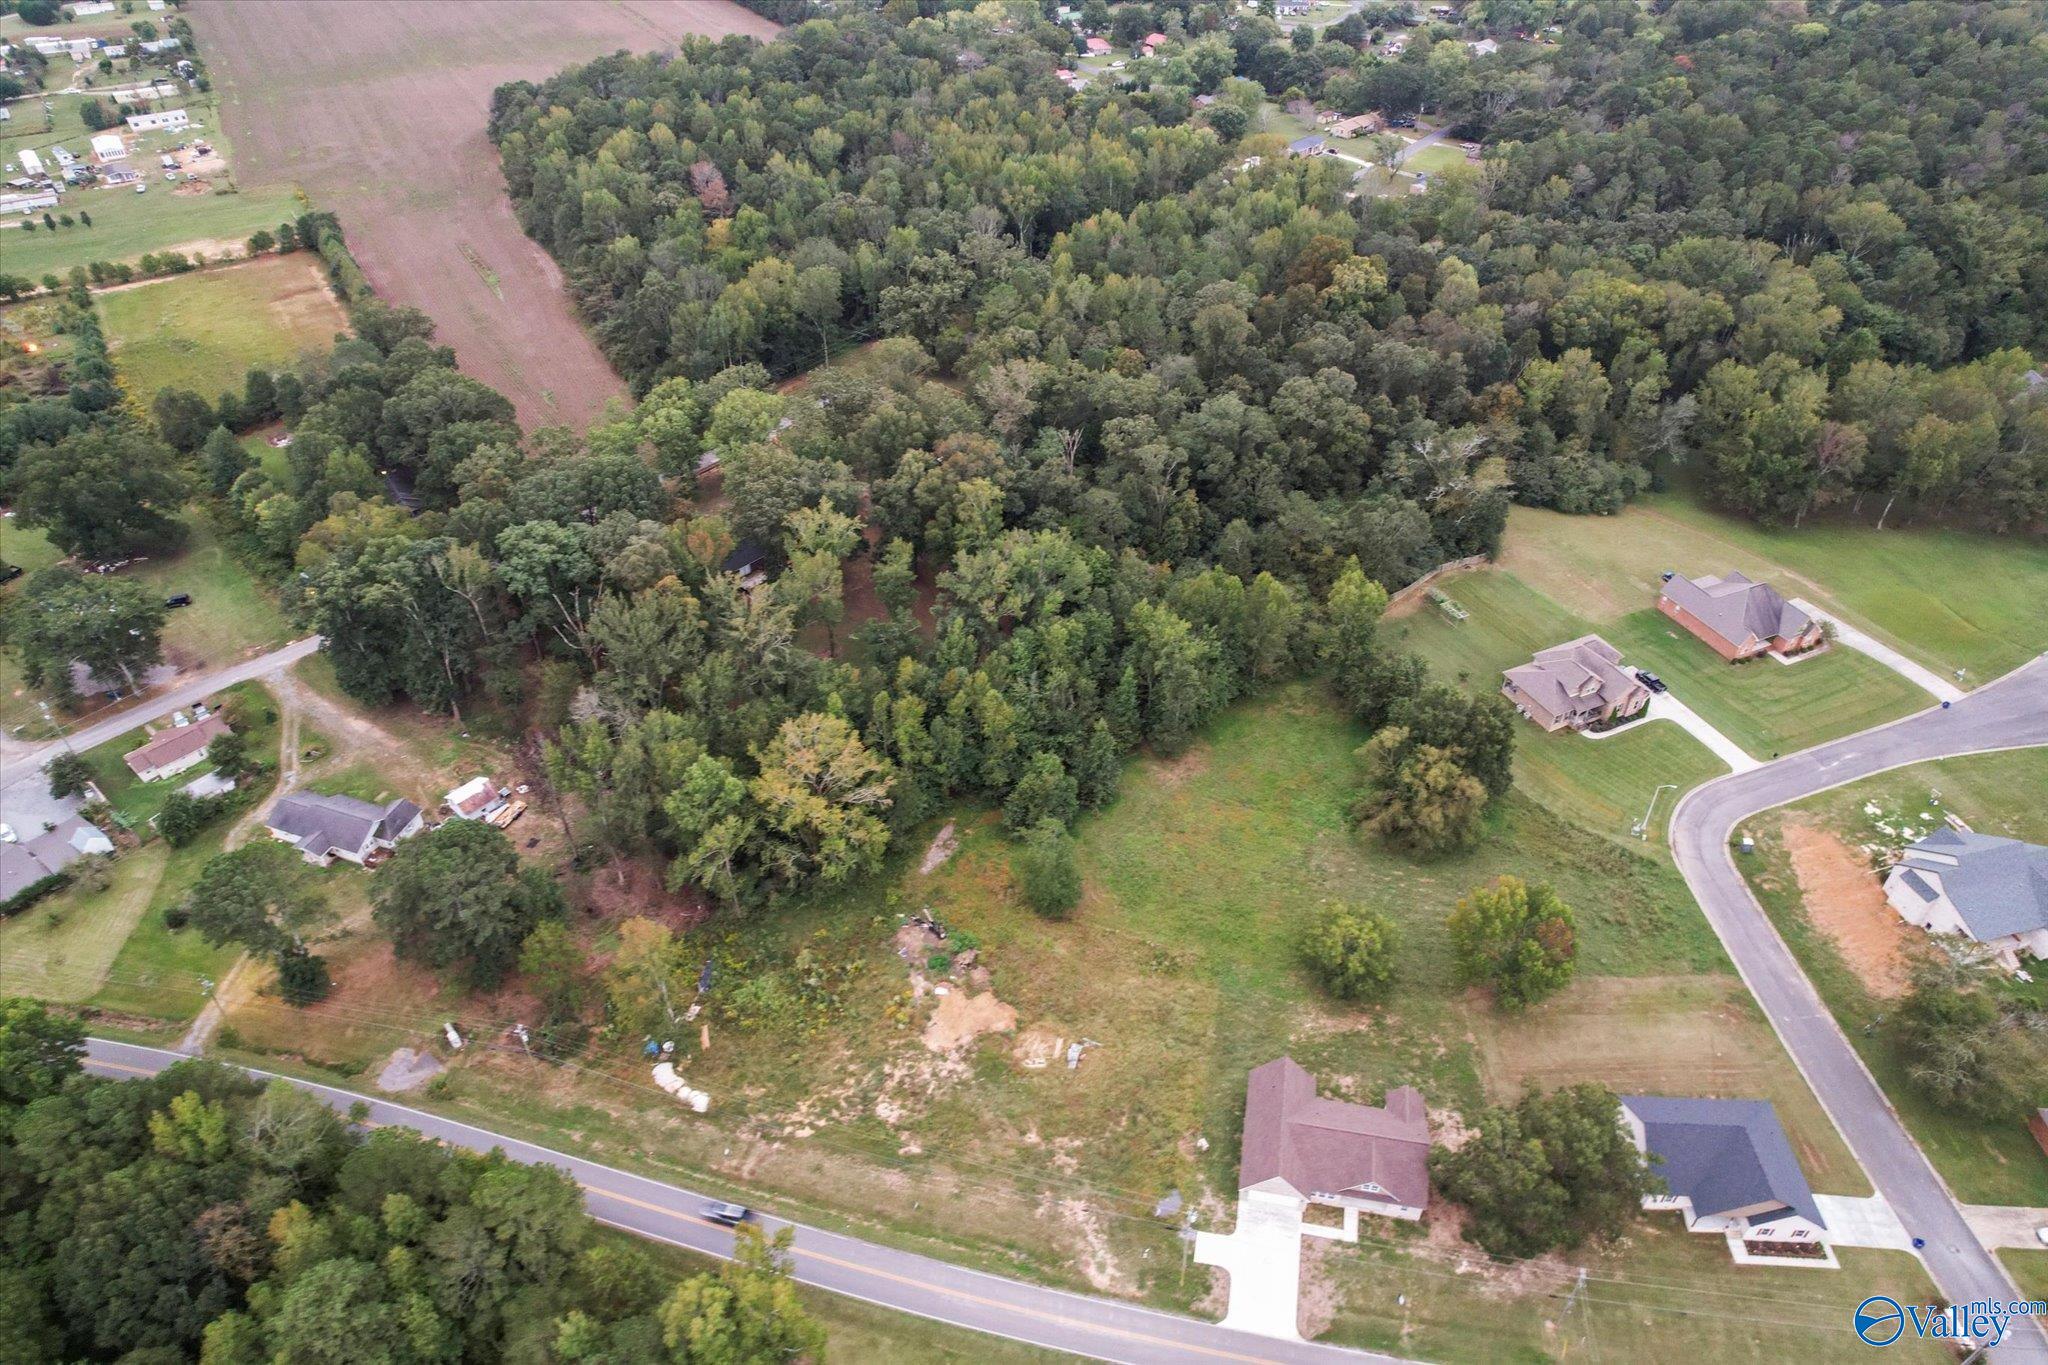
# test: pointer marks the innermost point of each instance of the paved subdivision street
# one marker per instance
(2007, 714)
(1102, 1328)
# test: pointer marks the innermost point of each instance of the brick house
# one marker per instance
(1574, 685)
(1738, 616)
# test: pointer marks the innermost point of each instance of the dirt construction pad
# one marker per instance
(1845, 900)
(377, 109)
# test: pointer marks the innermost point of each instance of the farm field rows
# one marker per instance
(308, 90)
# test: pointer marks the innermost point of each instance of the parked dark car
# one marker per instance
(9, 572)
(183, 599)
(1401, 121)
(1650, 680)
(732, 1215)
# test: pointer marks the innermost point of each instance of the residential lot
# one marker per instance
(1181, 967)
(203, 331)
(1984, 1162)
(212, 213)
(1951, 599)
(308, 94)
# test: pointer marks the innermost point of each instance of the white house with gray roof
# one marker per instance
(323, 828)
(1728, 1169)
(1990, 890)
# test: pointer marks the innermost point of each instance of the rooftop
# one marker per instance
(1723, 1155)
(1736, 607)
(1323, 1147)
(1999, 886)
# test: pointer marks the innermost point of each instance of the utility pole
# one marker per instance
(1642, 826)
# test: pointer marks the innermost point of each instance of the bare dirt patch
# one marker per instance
(1845, 900)
(961, 1018)
(377, 108)
(1172, 772)
(408, 1069)
(943, 845)
(626, 887)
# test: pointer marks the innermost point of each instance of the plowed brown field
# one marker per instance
(376, 108)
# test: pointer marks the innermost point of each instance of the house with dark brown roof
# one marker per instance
(1740, 617)
(1576, 684)
(1356, 1157)
(176, 749)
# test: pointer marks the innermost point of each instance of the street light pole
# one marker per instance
(1642, 827)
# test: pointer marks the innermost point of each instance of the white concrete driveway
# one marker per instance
(2003, 1225)
(1664, 706)
(1263, 1259)
(1846, 634)
(1865, 1222)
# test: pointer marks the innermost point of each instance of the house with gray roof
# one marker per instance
(24, 862)
(1357, 1157)
(323, 828)
(1991, 890)
(1315, 144)
(1738, 616)
(1574, 685)
(1728, 1168)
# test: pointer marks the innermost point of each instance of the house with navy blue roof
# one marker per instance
(1729, 1169)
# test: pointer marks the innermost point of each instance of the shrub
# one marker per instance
(176, 916)
(1048, 874)
(1351, 949)
(33, 892)
(302, 977)
(184, 816)
(1547, 1173)
(1519, 939)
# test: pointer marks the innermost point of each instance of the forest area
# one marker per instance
(985, 432)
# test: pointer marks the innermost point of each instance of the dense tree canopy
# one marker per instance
(196, 1215)
(1703, 235)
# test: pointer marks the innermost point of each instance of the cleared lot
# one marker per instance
(377, 110)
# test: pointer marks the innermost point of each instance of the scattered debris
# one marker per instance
(665, 1076)
(1037, 1046)
(454, 1038)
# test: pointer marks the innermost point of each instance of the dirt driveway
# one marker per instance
(376, 108)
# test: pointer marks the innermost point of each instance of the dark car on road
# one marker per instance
(1650, 680)
(732, 1215)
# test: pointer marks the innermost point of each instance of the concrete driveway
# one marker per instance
(1263, 1259)
(1664, 706)
(2002, 1225)
(1845, 634)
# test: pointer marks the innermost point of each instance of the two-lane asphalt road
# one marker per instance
(2010, 713)
(1052, 1318)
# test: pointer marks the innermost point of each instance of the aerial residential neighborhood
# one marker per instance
(921, 680)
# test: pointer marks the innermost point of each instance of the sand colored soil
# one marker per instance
(961, 1018)
(377, 109)
(1845, 900)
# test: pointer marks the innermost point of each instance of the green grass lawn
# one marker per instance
(1985, 1162)
(1951, 599)
(125, 225)
(204, 331)
(1764, 706)
(1437, 159)
(1767, 707)
(1605, 784)
(2029, 1271)
(1663, 1294)
(62, 948)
